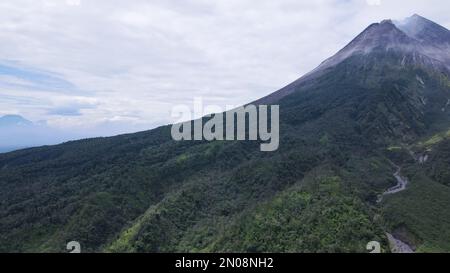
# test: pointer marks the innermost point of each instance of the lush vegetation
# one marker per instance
(317, 193)
(420, 215)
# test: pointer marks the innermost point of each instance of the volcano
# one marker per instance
(364, 156)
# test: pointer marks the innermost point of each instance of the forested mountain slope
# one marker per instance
(343, 129)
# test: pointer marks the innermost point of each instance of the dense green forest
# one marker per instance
(340, 138)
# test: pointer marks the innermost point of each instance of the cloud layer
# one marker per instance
(109, 66)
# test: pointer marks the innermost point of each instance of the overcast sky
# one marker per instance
(109, 66)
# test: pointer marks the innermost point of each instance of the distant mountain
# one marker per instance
(9, 126)
(16, 132)
(375, 114)
(14, 121)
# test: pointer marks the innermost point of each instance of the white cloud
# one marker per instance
(135, 59)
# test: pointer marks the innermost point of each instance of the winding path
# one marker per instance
(401, 185)
(396, 245)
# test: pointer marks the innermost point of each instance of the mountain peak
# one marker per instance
(14, 120)
(424, 30)
(377, 37)
(386, 21)
(417, 16)
(416, 40)
(414, 35)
